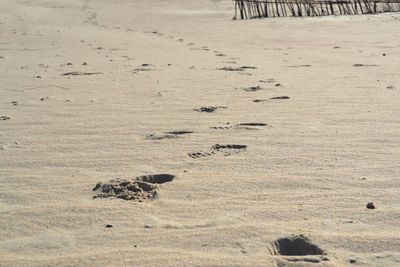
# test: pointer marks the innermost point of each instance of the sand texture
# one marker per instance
(164, 133)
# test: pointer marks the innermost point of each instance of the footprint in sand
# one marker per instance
(247, 126)
(300, 66)
(4, 118)
(297, 249)
(167, 135)
(78, 73)
(144, 67)
(224, 126)
(229, 62)
(219, 54)
(208, 109)
(242, 68)
(137, 189)
(267, 81)
(196, 155)
(157, 33)
(365, 65)
(252, 88)
(203, 48)
(225, 150)
(272, 98)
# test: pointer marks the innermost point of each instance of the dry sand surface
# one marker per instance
(275, 133)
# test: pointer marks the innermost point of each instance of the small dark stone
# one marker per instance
(370, 205)
(353, 260)
(384, 54)
(84, 64)
(109, 226)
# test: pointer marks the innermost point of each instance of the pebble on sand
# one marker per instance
(370, 205)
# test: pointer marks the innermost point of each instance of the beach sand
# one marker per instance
(292, 128)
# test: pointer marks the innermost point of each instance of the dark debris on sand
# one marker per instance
(371, 205)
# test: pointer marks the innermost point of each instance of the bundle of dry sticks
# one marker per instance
(248, 9)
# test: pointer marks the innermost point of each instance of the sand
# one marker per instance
(279, 132)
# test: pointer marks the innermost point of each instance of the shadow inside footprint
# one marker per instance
(280, 97)
(247, 125)
(179, 132)
(272, 98)
(252, 124)
(156, 178)
(296, 246)
(230, 69)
